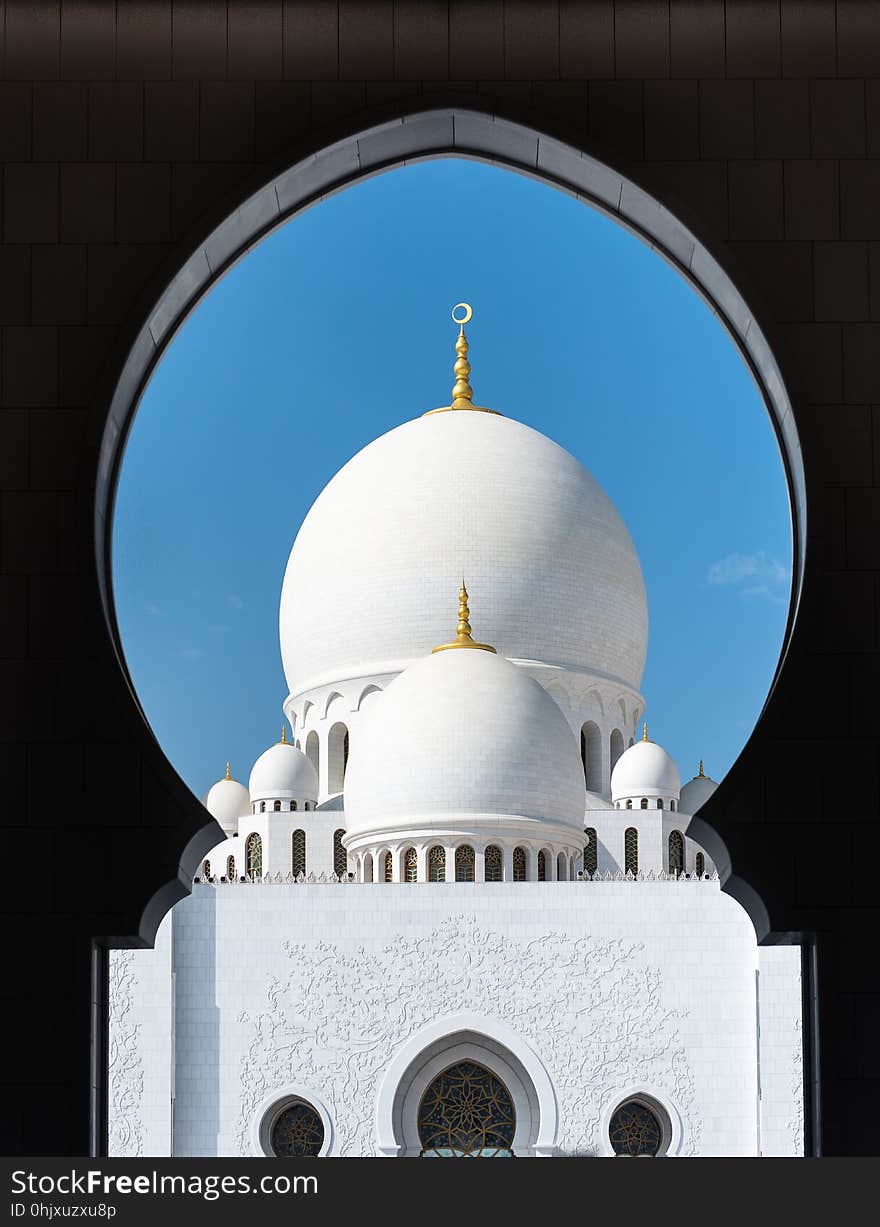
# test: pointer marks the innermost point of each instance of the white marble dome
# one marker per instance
(283, 772)
(463, 739)
(227, 801)
(645, 770)
(552, 567)
(697, 792)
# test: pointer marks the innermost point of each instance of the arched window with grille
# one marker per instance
(591, 852)
(542, 866)
(340, 856)
(262, 807)
(387, 867)
(254, 856)
(520, 865)
(230, 868)
(676, 852)
(436, 864)
(298, 853)
(629, 805)
(631, 850)
(464, 863)
(494, 870)
(206, 870)
(411, 866)
(672, 806)
(700, 865)
(276, 808)
(644, 803)
(660, 803)
(293, 807)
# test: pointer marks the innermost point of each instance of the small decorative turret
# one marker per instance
(284, 734)
(463, 630)
(228, 772)
(645, 736)
(701, 775)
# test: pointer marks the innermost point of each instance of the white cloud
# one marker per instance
(764, 574)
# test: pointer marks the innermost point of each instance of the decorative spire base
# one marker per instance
(463, 630)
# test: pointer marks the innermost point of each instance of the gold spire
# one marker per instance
(284, 734)
(702, 774)
(463, 630)
(462, 392)
(645, 736)
(228, 772)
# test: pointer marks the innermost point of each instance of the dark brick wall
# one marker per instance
(125, 129)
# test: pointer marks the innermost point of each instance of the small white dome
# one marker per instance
(697, 792)
(645, 770)
(463, 739)
(227, 801)
(283, 772)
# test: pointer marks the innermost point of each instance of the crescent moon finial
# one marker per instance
(468, 313)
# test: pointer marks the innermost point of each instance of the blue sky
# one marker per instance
(336, 329)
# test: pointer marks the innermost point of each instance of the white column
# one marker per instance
(422, 863)
(479, 864)
(507, 864)
(450, 862)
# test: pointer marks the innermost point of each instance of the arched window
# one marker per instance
(631, 850)
(387, 867)
(254, 856)
(660, 803)
(672, 806)
(230, 868)
(337, 757)
(616, 747)
(277, 807)
(591, 755)
(492, 858)
(340, 856)
(520, 865)
(635, 1130)
(591, 852)
(206, 869)
(436, 864)
(262, 807)
(368, 867)
(313, 752)
(466, 1113)
(644, 803)
(561, 868)
(411, 866)
(700, 865)
(293, 807)
(464, 863)
(297, 1132)
(298, 853)
(676, 852)
(542, 866)
(629, 805)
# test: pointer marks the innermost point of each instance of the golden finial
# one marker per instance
(645, 736)
(284, 734)
(462, 392)
(228, 772)
(463, 630)
(701, 775)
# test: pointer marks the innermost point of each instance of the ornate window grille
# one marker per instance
(254, 856)
(411, 866)
(262, 807)
(700, 865)
(631, 850)
(634, 1130)
(494, 869)
(293, 807)
(436, 864)
(644, 803)
(519, 865)
(206, 870)
(629, 804)
(298, 853)
(464, 863)
(276, 808)
(660, 803)
(230, 868)
(466, 1113)
(676, 852)
(298, 1132)
(387, 867)
(591, 852)
(542, 867)
(340, 856)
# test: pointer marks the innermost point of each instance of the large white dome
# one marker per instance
(283, 772)
(553, 570)
(461, 740)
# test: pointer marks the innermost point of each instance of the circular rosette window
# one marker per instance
(297, 1132)
(466, 1113)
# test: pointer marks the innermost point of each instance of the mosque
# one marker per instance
(457, 912)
